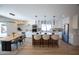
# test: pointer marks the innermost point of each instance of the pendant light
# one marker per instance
(45, 23)
(35, 20)
(54, 20)
(45, 20)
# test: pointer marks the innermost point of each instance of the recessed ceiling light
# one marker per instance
(12, 14)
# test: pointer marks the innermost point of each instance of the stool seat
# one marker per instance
(37, 37)
(55, 37)
(45, 37)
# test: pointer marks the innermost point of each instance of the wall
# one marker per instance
(71, 30)
(11, 25)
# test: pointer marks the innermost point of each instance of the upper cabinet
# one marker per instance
(75, 22)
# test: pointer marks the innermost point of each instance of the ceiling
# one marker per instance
(29, 11)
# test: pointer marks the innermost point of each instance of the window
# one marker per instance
(46, 27)
(3, 29)
(43, 27)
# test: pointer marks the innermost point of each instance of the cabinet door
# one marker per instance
(75, 22)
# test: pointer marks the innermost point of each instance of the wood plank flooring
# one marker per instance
(28, 49)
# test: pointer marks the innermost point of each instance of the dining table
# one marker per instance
(6, 41)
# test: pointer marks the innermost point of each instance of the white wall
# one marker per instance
(71, 30)
(11, 25)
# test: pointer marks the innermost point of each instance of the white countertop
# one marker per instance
(42, 33)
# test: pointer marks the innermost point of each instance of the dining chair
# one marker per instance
(20, 40)
(14, 43)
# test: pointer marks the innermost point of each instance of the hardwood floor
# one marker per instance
(28, 49)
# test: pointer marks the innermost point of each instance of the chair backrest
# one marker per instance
(55, 37)
(46, 37)
(37, 37)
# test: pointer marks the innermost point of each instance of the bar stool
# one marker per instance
(45, 40)
(54, 40)
(36, 40)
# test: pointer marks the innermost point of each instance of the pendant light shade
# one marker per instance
(53, 20)
(35, 20)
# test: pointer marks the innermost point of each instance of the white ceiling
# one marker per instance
(29, 11)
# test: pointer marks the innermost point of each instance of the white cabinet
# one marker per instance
(75, 22)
